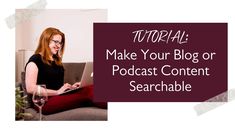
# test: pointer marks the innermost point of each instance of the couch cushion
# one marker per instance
(84, 113)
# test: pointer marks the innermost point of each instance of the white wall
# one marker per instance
(77, 25)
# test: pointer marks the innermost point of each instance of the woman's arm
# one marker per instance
(31, 81)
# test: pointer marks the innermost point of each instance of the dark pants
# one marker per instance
(80, 98)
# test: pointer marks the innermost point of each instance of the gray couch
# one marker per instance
(73, 73)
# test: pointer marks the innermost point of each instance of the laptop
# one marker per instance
(87, 77)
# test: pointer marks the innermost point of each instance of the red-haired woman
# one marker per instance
(45, 67)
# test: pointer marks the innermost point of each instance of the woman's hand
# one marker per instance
(64, 88)
(77, 84)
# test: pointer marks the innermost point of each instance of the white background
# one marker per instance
(77, 25)
(127, 116)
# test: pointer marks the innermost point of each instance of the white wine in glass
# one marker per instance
(40, 98)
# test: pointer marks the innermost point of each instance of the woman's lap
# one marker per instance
(81, 98)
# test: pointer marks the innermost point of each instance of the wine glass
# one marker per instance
(40, 97)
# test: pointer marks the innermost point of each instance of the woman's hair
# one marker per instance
(43, 46)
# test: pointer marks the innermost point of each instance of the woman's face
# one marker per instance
(55, 44)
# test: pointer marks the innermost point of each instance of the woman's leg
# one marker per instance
(82, 97)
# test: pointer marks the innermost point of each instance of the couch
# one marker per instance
(73, 73)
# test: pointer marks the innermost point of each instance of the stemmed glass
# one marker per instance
(40, 97)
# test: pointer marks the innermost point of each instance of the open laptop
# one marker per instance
(87, 77)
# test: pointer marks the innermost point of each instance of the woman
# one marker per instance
(45, 67)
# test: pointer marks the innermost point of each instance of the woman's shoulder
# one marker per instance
(36, 58)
